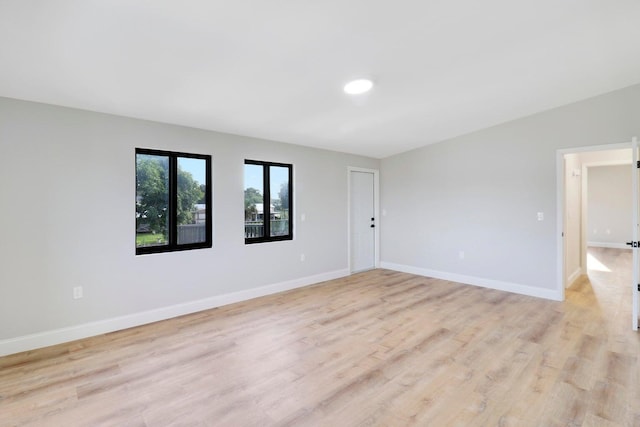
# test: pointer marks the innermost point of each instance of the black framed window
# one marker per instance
(173, 201)
(268, 201)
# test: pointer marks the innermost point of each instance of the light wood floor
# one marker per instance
(377, 348)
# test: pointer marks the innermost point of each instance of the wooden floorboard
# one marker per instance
(379, 348)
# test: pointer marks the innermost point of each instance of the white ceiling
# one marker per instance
(275, 69)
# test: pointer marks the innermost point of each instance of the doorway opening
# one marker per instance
(596, 219)
(364, 235)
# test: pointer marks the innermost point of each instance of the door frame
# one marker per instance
(635, 285)
(561, 208)
(376, 210)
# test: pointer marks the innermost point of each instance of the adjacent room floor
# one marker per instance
(375, 348)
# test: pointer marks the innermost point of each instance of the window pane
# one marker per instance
(253, 201)
(192, 207)
(152, 200)
(267, 202)
(279, 190)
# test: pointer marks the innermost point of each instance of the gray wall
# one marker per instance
(480, 193)
(68, 190)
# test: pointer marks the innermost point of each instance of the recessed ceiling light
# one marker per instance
(356, 87)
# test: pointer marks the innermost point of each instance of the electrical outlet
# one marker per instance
(540, 216)
(461, 254)
(302, 257)
(77, 292)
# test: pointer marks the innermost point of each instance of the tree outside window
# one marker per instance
(172, 202)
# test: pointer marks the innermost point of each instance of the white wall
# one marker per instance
(573, 217)
(609, 201)
(68, 189)
(480, 193)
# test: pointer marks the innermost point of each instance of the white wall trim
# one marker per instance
(72, 333)
(560, 220)
(611, 245)
(551, 294)
(574, 276)
(584, 215)
(589, 148)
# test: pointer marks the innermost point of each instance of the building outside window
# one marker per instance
(268, 201)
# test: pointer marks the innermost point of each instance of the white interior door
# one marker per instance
(636, 235)
(362, 220)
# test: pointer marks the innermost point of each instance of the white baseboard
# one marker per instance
(72, 333)
(608, 245)
(551, 294)
(574, 276)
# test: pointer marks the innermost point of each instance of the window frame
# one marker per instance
(172, 244)
(266, 202)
